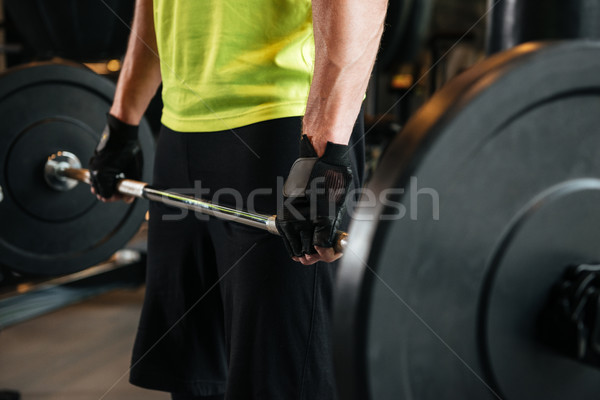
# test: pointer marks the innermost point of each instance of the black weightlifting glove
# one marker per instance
(118, 155)
(314, 197)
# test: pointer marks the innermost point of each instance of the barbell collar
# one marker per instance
(133, 188)
(57, 162)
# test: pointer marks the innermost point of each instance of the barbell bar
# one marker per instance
(62, 172)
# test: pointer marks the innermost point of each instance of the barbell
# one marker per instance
(53, 113)
(496, 298)
(63, 171)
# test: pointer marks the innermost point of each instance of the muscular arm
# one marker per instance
(347, 35)
(138, 81)
(140, 76)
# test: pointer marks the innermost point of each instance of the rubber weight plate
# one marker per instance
(435, 298)
(46, 108)
(556, 230)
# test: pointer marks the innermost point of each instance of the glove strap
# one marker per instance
(336, 154)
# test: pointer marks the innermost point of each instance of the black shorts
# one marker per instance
(226, 309)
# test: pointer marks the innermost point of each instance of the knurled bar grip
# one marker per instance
(143, 190)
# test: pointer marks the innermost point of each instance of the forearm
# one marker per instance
(140, 76)
(347, 35)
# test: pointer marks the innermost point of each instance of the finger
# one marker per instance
(292, 240)
(289, 248)
(126, 199)
(312, 258)
(116, 197)
(327, 254)
(306, 235)
(304, 261)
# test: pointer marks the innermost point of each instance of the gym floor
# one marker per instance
(79, 352)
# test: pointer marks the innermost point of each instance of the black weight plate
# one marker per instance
(411, 292)
(557, 230)
(46, 108)
(27, 157)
